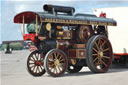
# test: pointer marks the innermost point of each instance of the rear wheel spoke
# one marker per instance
(105, 50)
(106, 57)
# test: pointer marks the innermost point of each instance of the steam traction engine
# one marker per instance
(66, 41)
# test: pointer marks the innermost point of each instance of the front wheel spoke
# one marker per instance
(32, 58)
(31, 62)
(50, 60)
(61, 60)
(42, 68)
(60, 57)
(37, 56)
(54, 70)
(50, 65)
(36, 69)
(59, 68)
(55, 55)
(31, 66)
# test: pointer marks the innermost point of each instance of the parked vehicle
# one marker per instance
(67, 41)
(8, 49)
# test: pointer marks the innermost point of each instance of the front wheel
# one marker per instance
(55, 62)
(35, 64)
(99, 54)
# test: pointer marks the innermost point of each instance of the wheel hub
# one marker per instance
(38, 63)
(56, 62)
(100, 54)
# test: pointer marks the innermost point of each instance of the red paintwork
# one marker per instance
(38, 63)
(29, 37)
(102, 15)
(28, 17)
(118, 55)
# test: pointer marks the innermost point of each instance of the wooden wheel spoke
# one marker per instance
(95, 59)
(103, 62)
(32, 58)
(61, 60)
(94, 54)
(34, 68)
(106, 57)
(55, 55)
(97, 46)
(50, 60)
(41, 68)
(54, 70)
(37, 69)
(51, 65)
(60, 57)
(37, 56)
(95, 50)
(99, 42)
(31, 62)
(98, 63)
(59, 68)
(103, 43)
(106, 49)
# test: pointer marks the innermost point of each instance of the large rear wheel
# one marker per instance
(55, 62)
(35, 64)
(99, 54)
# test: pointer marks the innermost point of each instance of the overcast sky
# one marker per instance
(9, 8)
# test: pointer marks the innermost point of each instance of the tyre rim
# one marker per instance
(56, 62)
(36, 63)
(102, 54)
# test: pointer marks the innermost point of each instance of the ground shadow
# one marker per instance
(113, 69)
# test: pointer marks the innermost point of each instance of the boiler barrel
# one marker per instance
(50, 8)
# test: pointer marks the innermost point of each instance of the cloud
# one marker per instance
(9, 8)
(20, 8)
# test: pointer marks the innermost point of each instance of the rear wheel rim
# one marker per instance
(101, 54)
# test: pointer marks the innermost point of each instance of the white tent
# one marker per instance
(117, 35)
